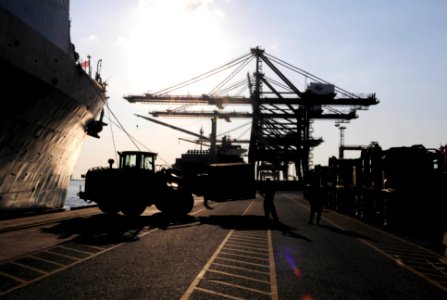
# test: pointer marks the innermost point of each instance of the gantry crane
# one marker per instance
(281, 114)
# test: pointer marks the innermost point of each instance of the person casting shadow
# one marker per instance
(312, 192)
(316, 207)
(268, 192)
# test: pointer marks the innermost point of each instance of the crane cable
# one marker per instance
(234, 129)
(132, 139)
(307, 74)
(241, 66)
(203, 76)
(244, 132)
(111, 130)
(123, 129)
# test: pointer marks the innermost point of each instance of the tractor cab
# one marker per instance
(137, 160)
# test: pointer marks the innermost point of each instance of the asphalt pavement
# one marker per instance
(228, 250)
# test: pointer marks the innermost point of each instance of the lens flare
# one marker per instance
(293, 266)
(307, 297)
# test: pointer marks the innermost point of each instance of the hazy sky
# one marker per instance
(396, 49)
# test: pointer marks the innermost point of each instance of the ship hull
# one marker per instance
(47, 102)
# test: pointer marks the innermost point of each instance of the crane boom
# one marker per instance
(174, 127)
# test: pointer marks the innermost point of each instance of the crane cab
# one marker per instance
(137, 160)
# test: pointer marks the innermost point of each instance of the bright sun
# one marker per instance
(173, 41)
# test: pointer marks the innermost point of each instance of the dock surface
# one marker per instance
(225, 251)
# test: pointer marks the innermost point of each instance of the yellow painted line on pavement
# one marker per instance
(76, 260)
(273, 293)
(398, 261)
(274, 287)
(241, 268)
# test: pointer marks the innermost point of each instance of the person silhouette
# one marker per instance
(313, 195)
(316, 207)
(268, 192)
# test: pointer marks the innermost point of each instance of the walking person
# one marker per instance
(268, 192)
(316, 207)
(312, 192)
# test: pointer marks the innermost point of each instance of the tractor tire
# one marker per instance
(108, 208)
(134, 210)
(176, 202)
(186, 203)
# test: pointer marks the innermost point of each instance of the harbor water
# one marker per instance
(72, 200)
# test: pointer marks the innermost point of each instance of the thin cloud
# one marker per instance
(196, 4)
(142, 3)
(119, 40)
(219, 13)
(93, 37)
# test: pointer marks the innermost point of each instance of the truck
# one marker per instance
(228, 181)
(135, 185)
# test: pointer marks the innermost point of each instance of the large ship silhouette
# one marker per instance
(49, 104)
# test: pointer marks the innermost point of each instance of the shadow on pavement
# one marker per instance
(347, 233)
(103, 229)
(250, 222)
(99, 229)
